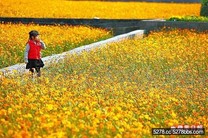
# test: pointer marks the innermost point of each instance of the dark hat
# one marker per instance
(33, 33)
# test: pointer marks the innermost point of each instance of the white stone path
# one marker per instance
(20, 68)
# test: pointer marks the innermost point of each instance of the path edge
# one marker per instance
(20, 67)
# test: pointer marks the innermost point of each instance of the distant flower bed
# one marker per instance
(57, 38)
(121, 91)
(92, 9)
(189, 18)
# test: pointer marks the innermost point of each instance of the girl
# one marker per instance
(32, 54)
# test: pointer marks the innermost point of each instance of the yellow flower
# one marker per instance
(10, 110)
(173, 114)
(147, 117)
(118, 136)
(28, 115)
(49, 107)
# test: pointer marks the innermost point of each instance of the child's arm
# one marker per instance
(26, 53)
(43, 46)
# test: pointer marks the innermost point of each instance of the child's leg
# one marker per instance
(32, 71)
(38, 71)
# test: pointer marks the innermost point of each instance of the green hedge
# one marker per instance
(189, 18)
(204, 8)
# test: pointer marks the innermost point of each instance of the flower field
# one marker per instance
(57, 38)
(121, 90)
(91, 9)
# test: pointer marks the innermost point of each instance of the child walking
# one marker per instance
(32, 55)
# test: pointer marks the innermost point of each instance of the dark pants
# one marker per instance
(35, 64)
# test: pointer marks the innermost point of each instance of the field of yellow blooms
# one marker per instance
(57, 38)
(91, 9)
(121, 90)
